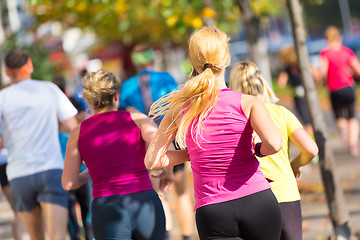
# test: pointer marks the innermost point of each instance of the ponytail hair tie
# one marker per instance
(207, 65)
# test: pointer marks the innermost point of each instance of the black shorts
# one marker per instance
(3, 177)
(343, 102)
(254, 217)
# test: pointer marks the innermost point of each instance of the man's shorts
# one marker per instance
(45, 186)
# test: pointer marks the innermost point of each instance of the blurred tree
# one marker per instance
(321, 13)
(14, 35)
(160, 21)
(134, 21)
(258, 49)
(339, 213)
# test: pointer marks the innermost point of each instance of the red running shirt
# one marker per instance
(338, 71)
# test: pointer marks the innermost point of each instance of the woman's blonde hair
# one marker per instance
(332, 34)
(245, 77)
(99, 88)
(208, 54)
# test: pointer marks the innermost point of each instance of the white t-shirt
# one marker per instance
(30, 112)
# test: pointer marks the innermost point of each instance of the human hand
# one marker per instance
(297, 172)
(255, 140)
(166, 178)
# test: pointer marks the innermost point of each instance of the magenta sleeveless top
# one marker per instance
(112, 148)
(223, 162)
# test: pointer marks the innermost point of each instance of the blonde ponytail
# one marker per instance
(209, 54)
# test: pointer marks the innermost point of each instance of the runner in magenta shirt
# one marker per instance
(336, 61)
(113, 144)
(214, 127)
(227, 151)
(339, 60)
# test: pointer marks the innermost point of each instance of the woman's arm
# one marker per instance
(282, 79)
(263, 125)
(148, 130)
(307, 147)
(158, 155)
(324, 66)
(71, 176)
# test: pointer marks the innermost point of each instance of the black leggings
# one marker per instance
(134, 216)
(343, 102)
(81, 195)
(254, 217)
(291, 220)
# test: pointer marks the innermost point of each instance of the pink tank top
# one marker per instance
(224, 166)
(338, 71)
(112, 148)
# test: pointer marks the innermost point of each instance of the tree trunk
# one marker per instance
(258, 48)
(335, 197)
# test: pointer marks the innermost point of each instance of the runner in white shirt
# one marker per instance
(31, 113)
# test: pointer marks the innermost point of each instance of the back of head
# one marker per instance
(209, 56)
(142, 55)
(16, 59)
(209, 45)
(287, 56)
(245, 77)
(332, 34)
(99, 88)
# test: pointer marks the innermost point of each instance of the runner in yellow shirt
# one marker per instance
(246, 78)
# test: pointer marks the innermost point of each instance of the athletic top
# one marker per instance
(112, 148)
(80, 101)
(223, 162)
(30, 113)
(277, 166)
(338, 71)
(144, 88)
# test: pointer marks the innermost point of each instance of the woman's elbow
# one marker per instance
(148, 163)
(67, 184)
(277, 144)
(313, 151)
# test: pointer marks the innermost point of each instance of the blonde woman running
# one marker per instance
(246, 78)
(233, 199)
(112, 144)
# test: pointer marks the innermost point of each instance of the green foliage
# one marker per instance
(155, 21)
(136, 21)
(43, 68)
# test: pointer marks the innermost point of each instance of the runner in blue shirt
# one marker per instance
(140, 91)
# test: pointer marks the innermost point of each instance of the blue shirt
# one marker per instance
(78, 97)
(63, 139)
(161, 83)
